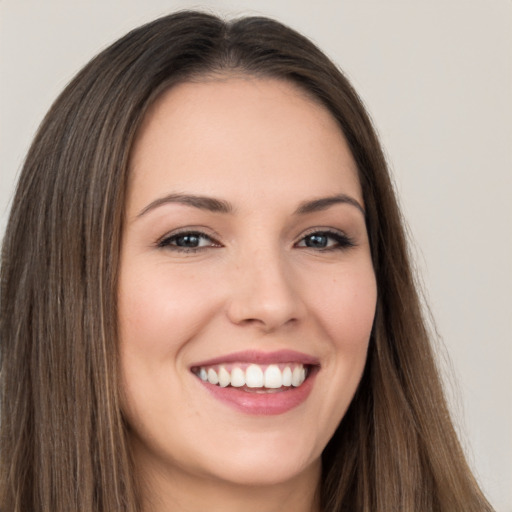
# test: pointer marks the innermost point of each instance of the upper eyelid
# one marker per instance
(190, 230)
(341, 237)
(215, 238)
(324, 230)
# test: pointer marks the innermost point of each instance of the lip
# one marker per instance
(267, 403)
(259, 357)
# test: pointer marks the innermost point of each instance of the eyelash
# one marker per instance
(342, 241)
(167, 242)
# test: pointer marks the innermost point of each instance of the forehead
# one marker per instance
(241, 135)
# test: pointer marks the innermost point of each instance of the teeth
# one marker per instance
(273, 376)
(254, 377)
(298, 376)
(237, 378)
(287, 376)
(212, 376)
(224, 377)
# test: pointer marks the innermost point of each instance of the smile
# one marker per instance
(254, 376)
(259, 383)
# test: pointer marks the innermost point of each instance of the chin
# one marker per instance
(234, 458)
(267, 471)
(265, 459)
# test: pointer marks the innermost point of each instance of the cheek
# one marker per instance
(158, 314)
(160, 310)
(345, 307)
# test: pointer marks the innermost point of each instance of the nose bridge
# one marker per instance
(263, 292)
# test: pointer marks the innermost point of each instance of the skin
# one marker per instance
(264, 147)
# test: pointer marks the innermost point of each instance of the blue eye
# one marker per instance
(325, 240)
(188, 241)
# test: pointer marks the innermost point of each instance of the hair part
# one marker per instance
(63, 438)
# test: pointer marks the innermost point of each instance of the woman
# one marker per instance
(206, 294)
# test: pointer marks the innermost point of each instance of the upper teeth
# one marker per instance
(254, 376)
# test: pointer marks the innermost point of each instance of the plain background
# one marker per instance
(437, 79)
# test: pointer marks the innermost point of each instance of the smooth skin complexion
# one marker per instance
(244, 242)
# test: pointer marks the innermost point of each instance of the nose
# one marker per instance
(264, 293)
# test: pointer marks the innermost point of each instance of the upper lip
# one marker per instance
(259, 357)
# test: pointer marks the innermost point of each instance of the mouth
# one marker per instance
(255, 377)
(259, 383)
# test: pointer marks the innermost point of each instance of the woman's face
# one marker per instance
(247, 292)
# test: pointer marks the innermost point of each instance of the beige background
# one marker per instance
(437, 79)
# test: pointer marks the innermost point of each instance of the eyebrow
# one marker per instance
(220, 206)
(202, 202)
(326, 202)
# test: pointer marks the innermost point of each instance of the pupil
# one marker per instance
(187, 241)
(316, 241)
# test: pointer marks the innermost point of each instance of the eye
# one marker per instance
(325, 240)
(188, 241)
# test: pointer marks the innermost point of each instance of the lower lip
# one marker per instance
(265, 404)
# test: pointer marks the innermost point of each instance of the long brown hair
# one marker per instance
(63, 439)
